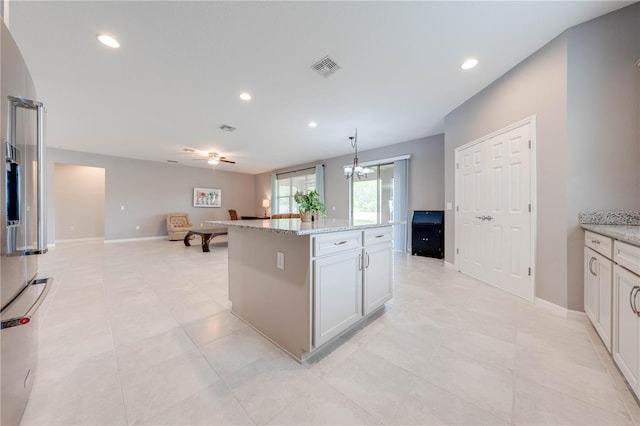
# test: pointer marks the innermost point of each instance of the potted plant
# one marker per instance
(310, 205)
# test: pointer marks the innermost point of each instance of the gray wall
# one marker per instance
(602, 126)
(79, 201)
(537, 86)
(583, 115)
(426, 176)
(149, 190)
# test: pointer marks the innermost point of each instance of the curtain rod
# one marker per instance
(299, 170)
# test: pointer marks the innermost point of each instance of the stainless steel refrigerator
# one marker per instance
(22, 290)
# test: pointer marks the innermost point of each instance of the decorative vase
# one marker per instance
(305, 216)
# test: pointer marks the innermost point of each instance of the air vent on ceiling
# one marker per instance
(227, 128)
(325, 66)
(172, 161)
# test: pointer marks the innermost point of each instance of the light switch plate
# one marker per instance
(280, 260)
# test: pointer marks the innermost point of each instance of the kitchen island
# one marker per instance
(301, 284)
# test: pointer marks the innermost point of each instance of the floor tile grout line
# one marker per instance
(115, 358)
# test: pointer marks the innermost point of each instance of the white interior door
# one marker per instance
(493, 218)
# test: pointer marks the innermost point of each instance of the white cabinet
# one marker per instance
(599, 243)
(597, 293)
(626, 325)
(378, 279)
(628, 256)
(337, 294)
(352, 277)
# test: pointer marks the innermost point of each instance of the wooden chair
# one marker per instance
(233, 215)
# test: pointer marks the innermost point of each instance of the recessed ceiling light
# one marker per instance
(313, 124)
(245, 96)
(469, 63)
(108, 41)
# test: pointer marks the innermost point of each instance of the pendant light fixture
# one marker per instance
(356, 169)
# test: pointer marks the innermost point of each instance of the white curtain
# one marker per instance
(400, 204)
(320, 181)
(274, 194)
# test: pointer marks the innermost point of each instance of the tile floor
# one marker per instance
(140, 333)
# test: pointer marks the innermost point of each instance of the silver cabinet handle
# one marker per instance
(26, 318)
(480, 217)
(339, 243)
(489, 218)
(595, 242)
(632, 299)
(368, 259)
(379, 236)
(360, 262)
(590, 265)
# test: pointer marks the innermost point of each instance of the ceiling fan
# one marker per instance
(212, 158)
(215, 158)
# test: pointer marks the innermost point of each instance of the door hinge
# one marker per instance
(529, 143)
(529, 271)
(457, 251)
(457, 165)
(457, 208)
(529, 207)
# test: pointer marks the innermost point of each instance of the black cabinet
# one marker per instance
(427, 233)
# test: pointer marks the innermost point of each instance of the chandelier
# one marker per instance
(356, 169)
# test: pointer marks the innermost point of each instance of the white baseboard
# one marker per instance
(450, 265)
(131, 240)
(559, 310)
(79, 240)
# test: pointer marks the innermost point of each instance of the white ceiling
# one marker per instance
(182, 66)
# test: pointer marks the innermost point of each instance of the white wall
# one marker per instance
(79, 201)
(150, 190)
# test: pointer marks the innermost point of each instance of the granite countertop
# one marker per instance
(296, 226)
(620, 225)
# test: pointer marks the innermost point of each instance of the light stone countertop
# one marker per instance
(296, 226)
(626, 233)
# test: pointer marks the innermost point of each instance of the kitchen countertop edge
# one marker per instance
(295, 227)
(626, 233)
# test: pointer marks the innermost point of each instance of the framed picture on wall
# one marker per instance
(207, 197)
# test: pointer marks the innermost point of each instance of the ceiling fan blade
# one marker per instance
(224, 160)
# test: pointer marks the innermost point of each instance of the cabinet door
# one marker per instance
(378, 279)
(625, 325)
(597, 293)
(338, 294)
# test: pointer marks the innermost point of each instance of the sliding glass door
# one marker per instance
(372, 197)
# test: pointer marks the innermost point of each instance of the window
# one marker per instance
(372, 197)
(287, 187)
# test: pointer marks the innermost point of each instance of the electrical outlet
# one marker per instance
(201, 225)
(280, 260)
(121, 207)
(72, 228)
(137, 227)
(449, 206)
